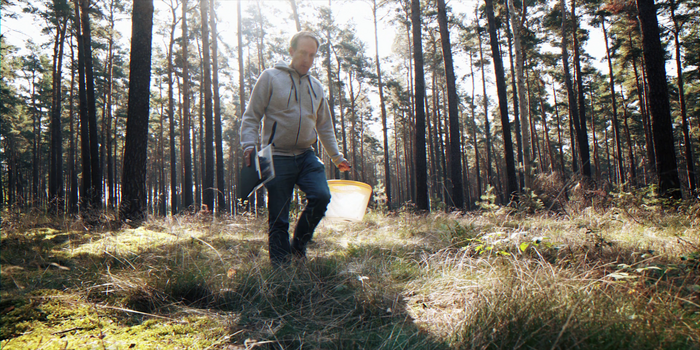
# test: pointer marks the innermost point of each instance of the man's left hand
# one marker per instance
(344, 166)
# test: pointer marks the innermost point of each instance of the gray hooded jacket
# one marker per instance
(293, 112)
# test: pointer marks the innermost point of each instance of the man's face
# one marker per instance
(303, 56)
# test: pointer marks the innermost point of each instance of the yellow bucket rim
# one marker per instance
(351, 183)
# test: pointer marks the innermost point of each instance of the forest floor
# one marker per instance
(502, 279)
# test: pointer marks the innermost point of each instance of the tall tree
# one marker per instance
(616, 125)
(94, 191)
(584, 151)
(187, 183)
(387, 168)
(574, 124)
(220, 187)
(86, 185)
(295, 14)
(72, 172)
(241, 74)
(678, 22)
(517, 25)
(487, 125)
(61, 11)
(511, 180)
(133, 206)
(109, 141)
(171, 111)
(208, 185)
(421, 171)
(659, 104)
(454, 156)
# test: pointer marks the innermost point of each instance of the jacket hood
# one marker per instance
(284, 66)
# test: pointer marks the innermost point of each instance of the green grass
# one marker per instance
(496, 279)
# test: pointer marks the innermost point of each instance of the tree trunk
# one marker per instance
(516, 115)
(208, 189)
(56, 151)
(574, 124)
(73, 176)
(584, 151)
(473, 127)
(688, 147)
(616, 125)
(487, 124)
(86, 187)
(454, 156)
(630, 150)
(241, 71)
(559, 134)
(187, 182)
(387, 168)
(511, 179)
(171, 117)
(158, 166)
(524, 124)
(107, 121)
(648, 137)
(220, 183)
(295, 14)
(95, 192)
(421, 173)
(353, 126)
(659, 104)
(334, 171)
(550, 152)
(133, 205)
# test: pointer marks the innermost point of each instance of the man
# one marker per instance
(288, 109)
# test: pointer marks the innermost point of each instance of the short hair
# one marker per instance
(303, 34)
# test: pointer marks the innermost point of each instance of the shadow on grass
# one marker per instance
(314, 304)
(347, 296)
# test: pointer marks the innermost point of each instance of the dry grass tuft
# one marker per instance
(495, 279)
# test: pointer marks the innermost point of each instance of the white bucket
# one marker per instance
(348, 200)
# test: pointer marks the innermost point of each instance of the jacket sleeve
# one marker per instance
(326, 133)
(251, 122)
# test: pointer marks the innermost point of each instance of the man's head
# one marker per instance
(302, 48)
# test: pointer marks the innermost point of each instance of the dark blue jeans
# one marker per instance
(307, 172)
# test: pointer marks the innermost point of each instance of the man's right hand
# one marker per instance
(248, 156)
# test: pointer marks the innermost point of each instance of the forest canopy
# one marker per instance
(517, 100)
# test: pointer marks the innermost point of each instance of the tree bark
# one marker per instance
(241, 71)
(295, 14)
(688, 147)
(574, 124)
(73, 176)
(133, 206)
(208, 189)
(187, 182)
(387, 168)
(648, 137)
(659, 104)
(171, 116)
(522, 124)
(584, 151)
(220, 183)
(421, 174)
(616, 125)
(511, 179)
(56, 192)
(473, 127)
(454, 156)
(95, 191)
(107, 122)
(487, 124)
